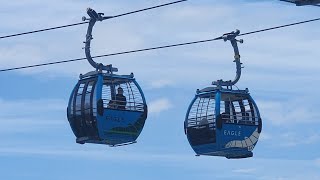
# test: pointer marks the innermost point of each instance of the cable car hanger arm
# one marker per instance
(234, 42)
(94, 17)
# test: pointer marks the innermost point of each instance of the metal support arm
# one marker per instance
(232, 38)
(94, 17)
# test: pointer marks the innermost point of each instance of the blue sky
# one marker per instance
(281, 72)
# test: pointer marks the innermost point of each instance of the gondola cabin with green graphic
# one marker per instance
(105, 108)
(222, 121)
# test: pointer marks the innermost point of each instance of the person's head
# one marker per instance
(120, 90)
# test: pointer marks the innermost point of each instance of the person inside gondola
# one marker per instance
(121, 100)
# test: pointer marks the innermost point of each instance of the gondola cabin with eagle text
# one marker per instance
(106, 108)
(221, 120)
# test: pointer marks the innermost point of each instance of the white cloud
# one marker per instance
(159, 105)
(161, 83)
(245, 171)
(300, 110)
(30, 125)
(30, 107)
(265, 136)
(292, 139)
(32, 115)
(13, 55)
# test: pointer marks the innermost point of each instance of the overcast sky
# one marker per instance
(281, 72)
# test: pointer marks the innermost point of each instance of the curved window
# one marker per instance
(122, 94)
(238, 109)
(81, 108)
(200, 125)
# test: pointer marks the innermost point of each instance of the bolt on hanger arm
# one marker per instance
(232, 38)
(94, 17)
